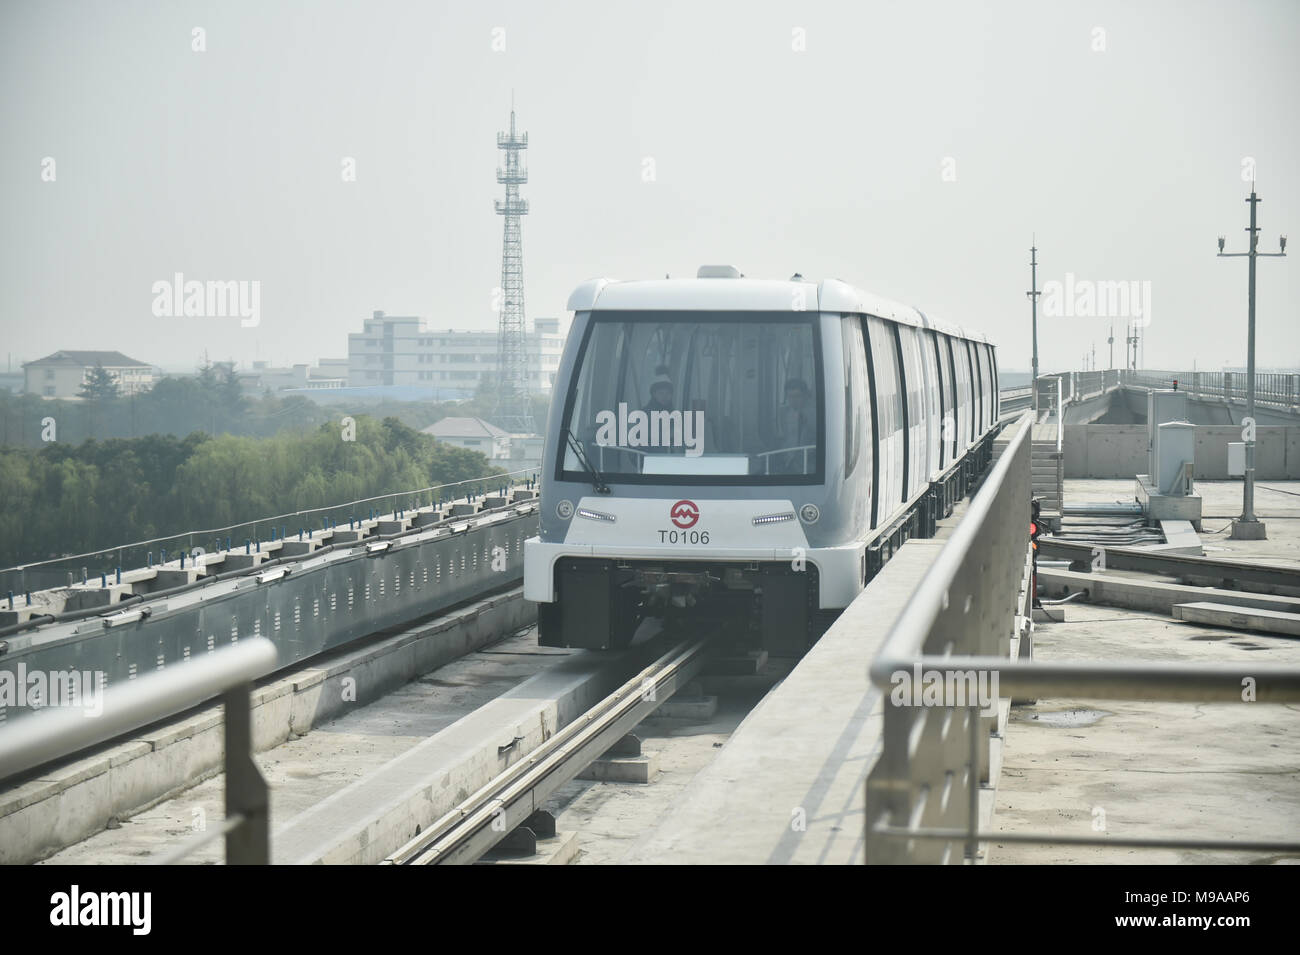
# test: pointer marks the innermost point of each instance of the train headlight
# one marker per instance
(809, 513)
(564, 510)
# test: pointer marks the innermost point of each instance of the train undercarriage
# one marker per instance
(600, 603)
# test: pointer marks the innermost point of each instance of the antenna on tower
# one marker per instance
(512, 406)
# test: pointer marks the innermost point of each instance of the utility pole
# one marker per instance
(1111, 342)
(1131, 345)
(1248, 527)
(1033, 294)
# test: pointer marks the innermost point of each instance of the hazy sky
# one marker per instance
(910, 148)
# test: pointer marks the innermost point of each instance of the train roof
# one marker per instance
(728, 292)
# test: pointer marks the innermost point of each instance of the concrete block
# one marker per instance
(20, 613)
(1180, 539)
(560, 849)
(242, 561)
(745, 665)
(174, 577)
(346, 536)
(697, 708)
(1248, 531)
(1143, 594)
(296, 548)
(1166, 507)
(1240, 618)
(623, 769)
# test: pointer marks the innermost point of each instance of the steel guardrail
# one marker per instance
(922, 793)
(59, 730)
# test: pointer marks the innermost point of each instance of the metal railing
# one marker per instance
(1075, 385)
(1011, 400)
(923, 793)
(175, 548)
(1060, 416)
(1271, 388)
(60, 731)
(933, 758)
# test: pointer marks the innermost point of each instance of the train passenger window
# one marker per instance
(855, 375)
(697, 397)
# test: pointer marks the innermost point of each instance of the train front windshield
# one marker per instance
(696, 398)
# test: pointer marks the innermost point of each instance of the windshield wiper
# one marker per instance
(597, 482)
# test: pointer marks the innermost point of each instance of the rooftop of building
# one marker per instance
(465, 428)
(109, 359)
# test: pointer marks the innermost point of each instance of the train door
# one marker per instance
(885, 379)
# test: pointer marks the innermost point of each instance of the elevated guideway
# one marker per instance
(834, 765)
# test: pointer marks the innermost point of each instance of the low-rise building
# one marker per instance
(396, 351)
(63, 373)
(299, 377)
(473, 434)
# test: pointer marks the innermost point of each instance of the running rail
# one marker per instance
(488, 816)
(922, 796)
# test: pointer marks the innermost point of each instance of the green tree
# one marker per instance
(100, 384)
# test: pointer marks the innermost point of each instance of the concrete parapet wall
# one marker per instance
(1120, 451)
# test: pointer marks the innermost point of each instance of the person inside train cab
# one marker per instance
(798, 416)
(661, 399)
(661, 392)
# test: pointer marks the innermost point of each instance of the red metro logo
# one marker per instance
(684, 514)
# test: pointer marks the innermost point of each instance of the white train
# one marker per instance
(746, 448)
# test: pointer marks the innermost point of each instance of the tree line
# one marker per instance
(212, 402)
(68, 498)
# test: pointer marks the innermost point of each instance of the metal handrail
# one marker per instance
(767, 456)
(1271, 388)
(1060, 415)
(959, 620)
(966, 604)
(58, 732)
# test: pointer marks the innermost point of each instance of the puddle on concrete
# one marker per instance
(1061, 719)
(1210, 636)
(1246, 645)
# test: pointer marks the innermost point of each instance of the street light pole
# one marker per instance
(1033, 294)
(1248, 527)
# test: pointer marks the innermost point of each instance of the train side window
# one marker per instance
(854, 382)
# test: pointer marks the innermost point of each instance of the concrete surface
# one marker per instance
(306, 770)
(1149, 593)
(69, 802)
(1183, 769)
(1276, 502)
(613, 818)
(789, 786)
